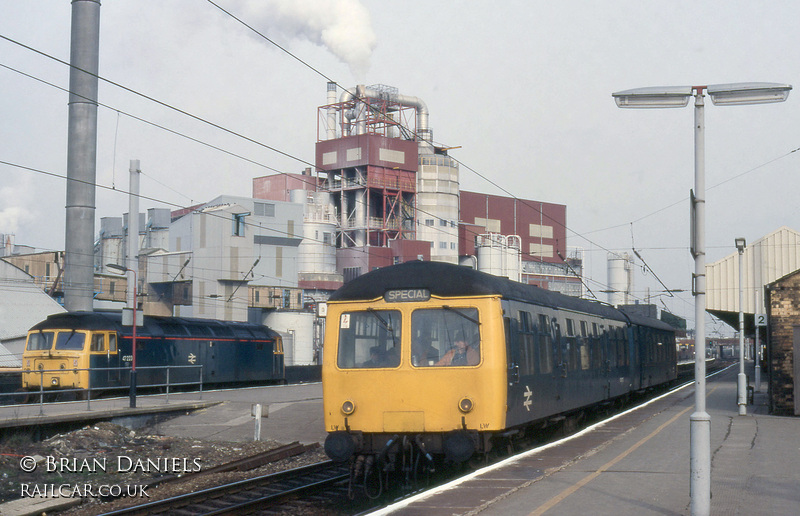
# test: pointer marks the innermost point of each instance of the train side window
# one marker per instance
(112, 342)
(40, 341)
(70, 340)
(527, 343)
(98, 342)
(622, 348)
(545, 346)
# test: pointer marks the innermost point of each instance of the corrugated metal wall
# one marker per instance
(764, 261)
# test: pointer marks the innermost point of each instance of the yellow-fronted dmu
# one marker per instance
(428, 359)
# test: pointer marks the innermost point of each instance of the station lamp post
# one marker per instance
(123, 270)
(678, 96)
(742, 378)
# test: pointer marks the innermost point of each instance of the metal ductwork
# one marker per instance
(359, 113)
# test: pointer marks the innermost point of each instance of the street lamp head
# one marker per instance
(739, 93)
(654, 97)
(748, 93)
(119, 268)
(740, 244)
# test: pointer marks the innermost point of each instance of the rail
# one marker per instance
(166, 384)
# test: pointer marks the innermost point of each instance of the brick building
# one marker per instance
(783, 342)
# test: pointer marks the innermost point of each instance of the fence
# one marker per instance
(11, 398)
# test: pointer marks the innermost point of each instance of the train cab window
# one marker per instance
(40, 341)
(446, 336)
(112, 342)
(98, 342)
(369, 339)
(70, 340)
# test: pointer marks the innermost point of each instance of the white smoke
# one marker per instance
(10, 219)
(342, 26)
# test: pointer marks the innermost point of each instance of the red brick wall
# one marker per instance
(783, 305)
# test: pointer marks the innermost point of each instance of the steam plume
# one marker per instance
(342, 26)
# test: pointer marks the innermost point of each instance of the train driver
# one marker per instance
(422, 353)
(460, 354)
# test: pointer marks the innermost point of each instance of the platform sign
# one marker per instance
(761, 320)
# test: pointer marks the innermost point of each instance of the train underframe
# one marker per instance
(378, 460)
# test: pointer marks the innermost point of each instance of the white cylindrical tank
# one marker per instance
(299, 349)
(513, 258)
(620, 279)
(437, 205)
(317, 251)
(491, 253)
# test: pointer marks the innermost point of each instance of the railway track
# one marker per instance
(249, 496)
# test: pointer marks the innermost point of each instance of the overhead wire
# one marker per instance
(260, 143)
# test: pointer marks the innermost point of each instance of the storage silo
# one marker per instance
(489, 248)
(620, 279)
(317, 251)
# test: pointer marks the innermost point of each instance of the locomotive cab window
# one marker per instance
(40, 341)
(98, 343)
(445, 336)
(369, 339)
(71, 340)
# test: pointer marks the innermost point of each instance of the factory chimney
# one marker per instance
(81, 156)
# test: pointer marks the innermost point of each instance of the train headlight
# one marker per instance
(348, 407)
(465, 405)
(63, 366)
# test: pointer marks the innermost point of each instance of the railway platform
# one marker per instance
(638, 464)
(289, 412)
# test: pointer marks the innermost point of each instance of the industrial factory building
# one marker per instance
(382, 193)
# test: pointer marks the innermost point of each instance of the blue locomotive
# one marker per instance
(82, 350)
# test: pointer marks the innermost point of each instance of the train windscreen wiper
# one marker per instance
(462, 314)
(386, 325)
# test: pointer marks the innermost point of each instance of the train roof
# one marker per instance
(154, 325)
(448, 280)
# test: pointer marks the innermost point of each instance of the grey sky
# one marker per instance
(523, 87)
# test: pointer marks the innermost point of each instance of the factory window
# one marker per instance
(238, 224)
(326, 238)
(262, 209)
(443, 222)
(429, 222)
(442, 245)
(452, 245)
(111, 287)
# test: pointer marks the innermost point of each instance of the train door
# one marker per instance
(513, 397)
(103, 360)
